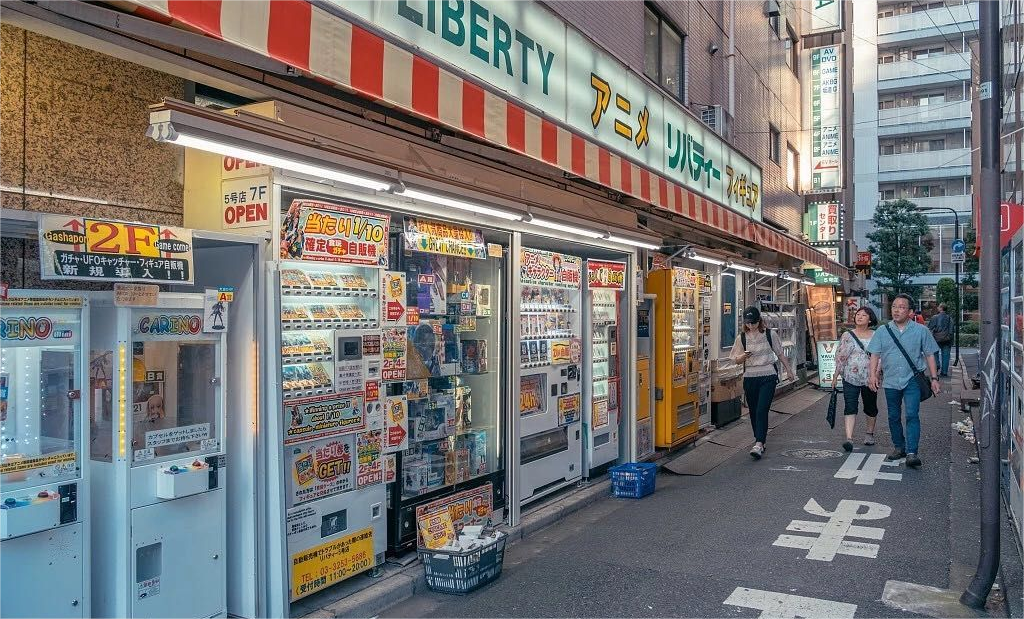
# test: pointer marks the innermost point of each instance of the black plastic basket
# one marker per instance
(462, 572)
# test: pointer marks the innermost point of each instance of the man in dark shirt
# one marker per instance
(941, 326)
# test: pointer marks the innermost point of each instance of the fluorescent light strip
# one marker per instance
(741, 267)
(624, 241)
(707, 259)
(459, 204)
(764, 272)
(227, 150)
(554, 225)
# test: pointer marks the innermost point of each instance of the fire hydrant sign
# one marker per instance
(107, 250)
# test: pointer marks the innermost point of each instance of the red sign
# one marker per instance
(603, 274)
(863, 258)
(1011, 217)
(372, 390)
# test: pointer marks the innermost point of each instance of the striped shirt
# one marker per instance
(762, 358)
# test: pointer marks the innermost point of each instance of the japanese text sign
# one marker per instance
(331, 562)
(469, 507)
(603, 274)
(100, 249)
(550, 269)
(826, 100)
(324, 416)
(823, 222)
(445, 239)
(245, 202)
(328, 232)
(320, 469)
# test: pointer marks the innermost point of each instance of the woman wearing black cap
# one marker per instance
(760, 353)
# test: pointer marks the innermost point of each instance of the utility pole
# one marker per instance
(990, 103)
(956, 271)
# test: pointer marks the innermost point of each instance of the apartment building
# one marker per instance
(912, 115)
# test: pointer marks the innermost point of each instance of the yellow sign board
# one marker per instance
(19, 465)
(331, 562)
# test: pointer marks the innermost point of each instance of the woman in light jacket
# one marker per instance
(760, 352)
(852, 362)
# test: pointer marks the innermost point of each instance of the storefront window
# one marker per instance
(730, 309)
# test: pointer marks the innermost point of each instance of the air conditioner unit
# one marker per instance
(772, 8)
(720, 121)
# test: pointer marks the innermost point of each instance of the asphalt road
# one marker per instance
(683, 551)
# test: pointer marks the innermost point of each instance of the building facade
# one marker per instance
(912, 116)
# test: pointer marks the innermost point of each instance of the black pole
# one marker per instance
(959, 296)
(989, 98)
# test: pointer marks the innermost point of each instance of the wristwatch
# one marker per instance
(935, 378)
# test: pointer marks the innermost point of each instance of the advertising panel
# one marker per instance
(827, 360)
(824, 16)
(109, 250)
(393, 349)
(550, 269)
(604, 274)
(320, 417)
(826, 118)
(469, 507)
(823, 222)
(434, 237)
(331, 562)
(245, 202)
(328, 232)
(319, 469)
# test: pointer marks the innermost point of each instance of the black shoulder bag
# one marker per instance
(923, 382)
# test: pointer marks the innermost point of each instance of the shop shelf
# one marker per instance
(530, 308)
(633, 480)
(333, 323)
(599, 324)
(534, 364)
(312, 358)
(462, 572)
(291, 394)
(551, 335)
(328, 292)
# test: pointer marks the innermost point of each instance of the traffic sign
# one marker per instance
(958, 251)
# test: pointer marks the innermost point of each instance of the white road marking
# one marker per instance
(784, 606)
(831, 535)
(870, 472)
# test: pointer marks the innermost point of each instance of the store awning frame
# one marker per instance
(596, 164)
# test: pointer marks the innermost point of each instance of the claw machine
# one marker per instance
(330, 281)
(158, 452)
(551, 362)
(44, 507)
(606, 284)
(678, 354)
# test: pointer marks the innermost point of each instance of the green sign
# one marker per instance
(826, 119)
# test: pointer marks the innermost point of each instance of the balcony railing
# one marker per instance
(949, 158)
(958, 18)
(947, 63)
(959, 203)
(908, 115)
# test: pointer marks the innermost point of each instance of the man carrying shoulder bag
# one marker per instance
(941, 326)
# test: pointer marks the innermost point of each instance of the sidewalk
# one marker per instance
(746, 536)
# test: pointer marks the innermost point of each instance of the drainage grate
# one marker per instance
(812, 454)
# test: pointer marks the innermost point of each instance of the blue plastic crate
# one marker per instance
(633, 480)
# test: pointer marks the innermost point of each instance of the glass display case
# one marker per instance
(786, 320)
(606, 283)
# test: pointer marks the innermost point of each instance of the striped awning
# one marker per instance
(329, 48)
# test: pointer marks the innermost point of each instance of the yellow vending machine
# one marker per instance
(677, 364)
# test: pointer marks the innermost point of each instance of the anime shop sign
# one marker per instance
(520, 48)
(108, 250)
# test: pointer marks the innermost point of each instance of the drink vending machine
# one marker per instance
(44, 507)
(551, 362)
(606, 282)
(158, 455)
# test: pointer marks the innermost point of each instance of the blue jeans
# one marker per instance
(896, 399)
(942, 360)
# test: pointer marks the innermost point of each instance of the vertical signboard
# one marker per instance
(826, 118)
(823, 222)
(824, 16)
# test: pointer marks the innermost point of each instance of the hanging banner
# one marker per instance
(320, 469)
(108, 250)
(315, 418)
(550, 269)
(823, 222)
(603, 274)
(328, 232)
(826, 118)
(446, 239)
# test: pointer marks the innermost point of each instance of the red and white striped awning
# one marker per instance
(334, 50)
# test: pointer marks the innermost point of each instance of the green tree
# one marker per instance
(899, 248)
(969, 274)
(945, 292)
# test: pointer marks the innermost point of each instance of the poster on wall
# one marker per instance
(81, 248)
(319, 469)
(826, 118)
(393, 344)
(550, 269)
(320, 417)
(319, 567)
(396, 424)
(434, 237)
(827, 361)
(570, 409)
(327, 232)
(605, 274)
(245, 202)
(369, 449)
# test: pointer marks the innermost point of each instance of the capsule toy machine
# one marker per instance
(606, 282)
(158, 456)
(44, 542)
(551, 366)
(335, 297)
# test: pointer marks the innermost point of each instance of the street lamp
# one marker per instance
(956, 267)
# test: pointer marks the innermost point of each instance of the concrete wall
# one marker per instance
(766, 90)
(72, 127)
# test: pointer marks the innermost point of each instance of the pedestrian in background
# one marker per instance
(760, 354)
(941, 326)
(853, 363)
(897, 376)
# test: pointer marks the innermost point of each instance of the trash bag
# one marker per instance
(830, 415)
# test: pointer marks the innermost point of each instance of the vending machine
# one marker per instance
(551, 362)
(44, 506)
(606, 283)
(678, 354)
(336, 301)
(158, 455)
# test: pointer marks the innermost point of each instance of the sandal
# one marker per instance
(869, 438)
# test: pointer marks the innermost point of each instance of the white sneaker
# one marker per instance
(756, 452)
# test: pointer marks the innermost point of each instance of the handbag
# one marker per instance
(924, 384)
(830, 415)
